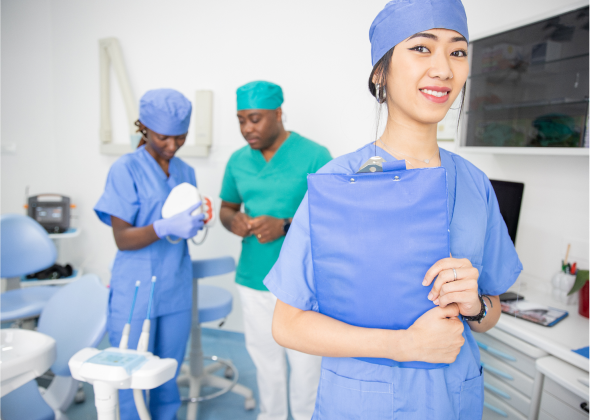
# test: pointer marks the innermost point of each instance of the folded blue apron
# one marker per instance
(373, 237)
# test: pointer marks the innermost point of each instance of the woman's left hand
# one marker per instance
(449, 288)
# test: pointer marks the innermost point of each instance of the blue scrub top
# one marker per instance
(135, 192)
(350, 388)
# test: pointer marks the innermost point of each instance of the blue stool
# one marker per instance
(26, 249)
(210, 303)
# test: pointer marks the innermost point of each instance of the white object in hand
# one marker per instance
(184, 196)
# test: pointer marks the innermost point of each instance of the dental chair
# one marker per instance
(76, 318)
(210, 303)
(25, 249)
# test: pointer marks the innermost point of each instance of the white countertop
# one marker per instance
(569, 334)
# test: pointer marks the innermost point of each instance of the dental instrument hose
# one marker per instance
(142, 346)
(125, 336)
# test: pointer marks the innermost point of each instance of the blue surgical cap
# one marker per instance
(259, 95)
(165, 111)
(400, 19)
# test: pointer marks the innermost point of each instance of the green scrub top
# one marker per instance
(274, 188)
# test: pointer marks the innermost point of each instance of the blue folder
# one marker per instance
(373, 237)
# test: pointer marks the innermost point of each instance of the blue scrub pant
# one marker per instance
(168, 337)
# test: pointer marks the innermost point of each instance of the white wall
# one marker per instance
(27, 102)
(318, 52)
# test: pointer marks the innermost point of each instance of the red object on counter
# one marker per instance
(583, 300)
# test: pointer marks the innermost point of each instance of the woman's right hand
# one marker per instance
(435, 337)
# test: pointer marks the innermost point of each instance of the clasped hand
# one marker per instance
(437, 336)
(264, 228)
(446, 289)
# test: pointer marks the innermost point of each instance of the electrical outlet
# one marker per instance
(8, 148)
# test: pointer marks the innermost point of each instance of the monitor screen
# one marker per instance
(49, 214)
(509, 198)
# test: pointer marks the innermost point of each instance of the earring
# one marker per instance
(380, 94)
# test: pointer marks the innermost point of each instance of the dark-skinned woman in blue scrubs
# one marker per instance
(136, 189)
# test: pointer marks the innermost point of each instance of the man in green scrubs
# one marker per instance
(269, 177)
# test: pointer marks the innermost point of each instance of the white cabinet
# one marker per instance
(509, 375)
(564, 395)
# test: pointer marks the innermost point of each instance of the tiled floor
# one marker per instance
(224, 344)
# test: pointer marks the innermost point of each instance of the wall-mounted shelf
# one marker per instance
(523, 66)
(24, 282)
(539, 151)
(533, 104)
(70, 233)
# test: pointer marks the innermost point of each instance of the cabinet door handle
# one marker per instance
(494, 409)
(497, 372)
(496, 391)
(496, 352)
(584, 406)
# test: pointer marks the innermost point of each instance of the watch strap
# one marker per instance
(286, 225)
(482, 313)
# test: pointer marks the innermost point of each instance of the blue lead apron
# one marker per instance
(400, 224)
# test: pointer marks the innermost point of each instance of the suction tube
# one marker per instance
(127, 328)
(144, 338)
(142, 410)
(142, 346)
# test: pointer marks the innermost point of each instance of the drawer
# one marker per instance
(558, 409)
(522, 358)
(543, 415)
(559, 392)
(516, 343)
(504, 392)
(506, 373)
(494, 409)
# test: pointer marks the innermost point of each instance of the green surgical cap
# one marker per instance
(259, 95)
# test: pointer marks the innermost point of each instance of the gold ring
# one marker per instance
(259, 236)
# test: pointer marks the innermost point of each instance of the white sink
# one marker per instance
(24, 355)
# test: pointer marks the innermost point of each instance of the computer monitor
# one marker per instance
(509, 198)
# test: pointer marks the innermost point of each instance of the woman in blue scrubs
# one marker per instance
(419, 53)
(136, 189)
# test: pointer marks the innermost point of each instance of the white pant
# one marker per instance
(271, 364)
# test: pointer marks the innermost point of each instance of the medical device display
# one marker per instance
(52, 211)
(509, 196)
(122, 368)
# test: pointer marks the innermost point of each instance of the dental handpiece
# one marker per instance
(144, 338)
(127, 328)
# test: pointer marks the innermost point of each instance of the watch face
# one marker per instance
(286, 226)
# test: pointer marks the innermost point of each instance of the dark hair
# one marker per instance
(380, 71)
(143, 130)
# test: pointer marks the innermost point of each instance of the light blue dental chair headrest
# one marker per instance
(25, 246)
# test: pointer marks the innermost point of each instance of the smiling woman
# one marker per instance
(429, 65)
(419, 57)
